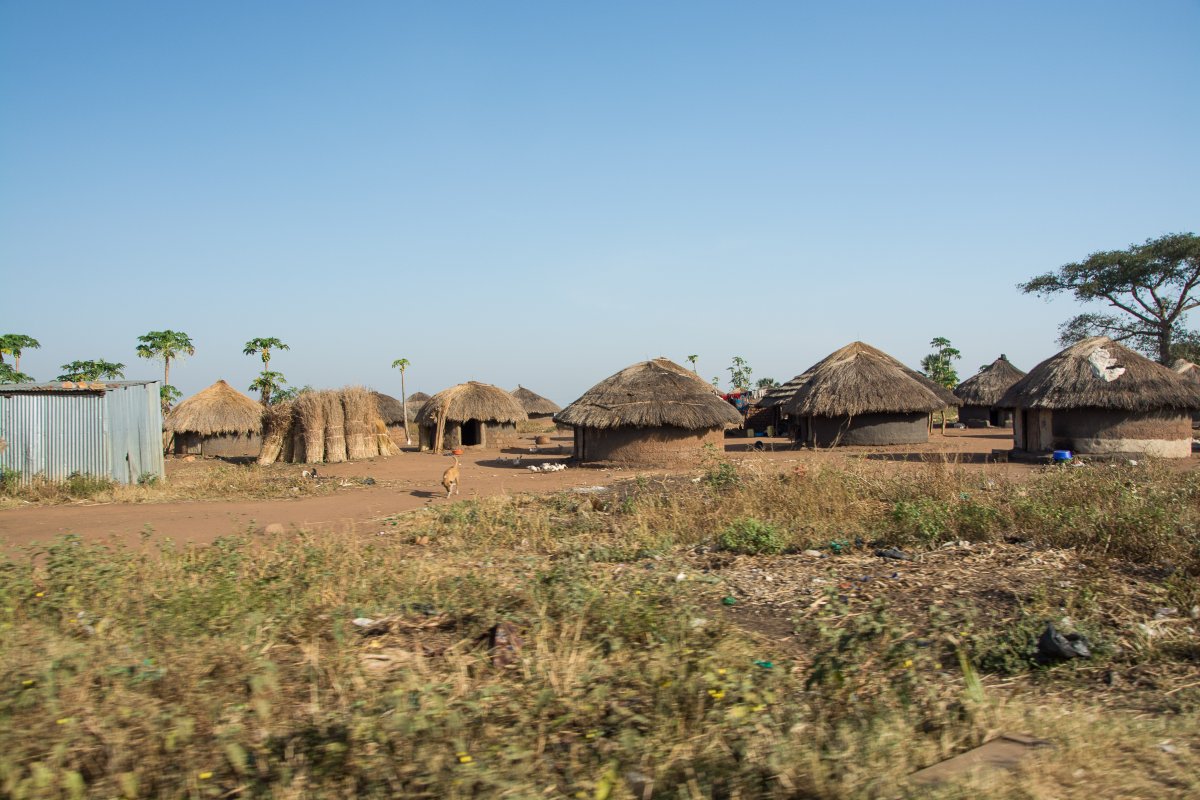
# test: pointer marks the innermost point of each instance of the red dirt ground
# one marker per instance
(412, 480)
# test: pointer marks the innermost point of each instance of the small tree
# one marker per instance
(739, 373)
(692, 360)
(766, 383)
(96, 370)
(267, 381)
(1152, 285)
(939, 365)
(165, 346)
(291, 393)
(402, 364)
(13, 344)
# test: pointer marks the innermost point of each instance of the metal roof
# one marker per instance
(67, 386)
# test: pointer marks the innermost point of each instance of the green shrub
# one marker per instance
(751, 536)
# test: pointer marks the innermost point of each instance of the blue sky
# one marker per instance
(544, 192)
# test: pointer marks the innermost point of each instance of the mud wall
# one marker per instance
(865, 429)
(646, 446)
(1167, 434)
(224, 445)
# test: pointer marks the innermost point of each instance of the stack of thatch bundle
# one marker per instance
(328, 426)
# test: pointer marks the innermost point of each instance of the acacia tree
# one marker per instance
(13, 344)
(1152, 285)
(267, 381)
(402, 364)
(95, 370)
(164, 346)
(939, 365)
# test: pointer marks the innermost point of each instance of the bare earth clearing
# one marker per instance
(411, 480)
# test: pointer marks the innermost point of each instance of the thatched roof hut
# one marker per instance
(861, 395)
(653, 412)
(391, 410)
(980, 394)
(471, 414)
(414, 403)
(534, 404)
(218, 421)
(1100, 397)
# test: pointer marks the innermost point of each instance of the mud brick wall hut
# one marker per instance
(981, 393)
(536, 406)
(859, 395)
(470, 414)
(650, 414)
(218, 421)
(1098, 397)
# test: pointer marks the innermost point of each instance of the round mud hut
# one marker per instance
(218, 421)
(859, 395)
(1098, 397)
(653, 413)
(981, 393)
(536, 406)
(470, 414)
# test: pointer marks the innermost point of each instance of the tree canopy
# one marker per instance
(13, 344)
(1152, 286)
(939, 365)
(96, 370)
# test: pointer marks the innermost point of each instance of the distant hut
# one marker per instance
(1190, 372)
(981, 392)
(391, 411)
(860, 395)
(536, 406)
(414, 403)
(218, 421)
(1099, 397)
(471, 414)
(652, 413)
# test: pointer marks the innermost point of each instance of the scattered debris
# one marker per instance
(504, 644)
(813, 554)
(893, 553)
(1004, 752)
(547, 467)
(589, 489)
(728, 600)
(368, 481)
(1053, 646)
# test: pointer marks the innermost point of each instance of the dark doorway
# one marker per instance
(472, 433)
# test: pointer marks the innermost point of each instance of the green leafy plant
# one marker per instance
(751, 536)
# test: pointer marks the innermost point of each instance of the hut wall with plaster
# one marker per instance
(863, 429)
(663, 446)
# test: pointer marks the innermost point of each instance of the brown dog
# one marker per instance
(450, 479)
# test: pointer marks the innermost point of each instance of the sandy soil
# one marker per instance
(412, 480)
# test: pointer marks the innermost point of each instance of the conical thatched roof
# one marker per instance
(860, 379)
(471, 400)
(534, 403)
(780, 395)
(1100, 373)
(391, 411)
(1187, 369)
(986, 387)
(218, 409)
(414, 403)
(651, 394)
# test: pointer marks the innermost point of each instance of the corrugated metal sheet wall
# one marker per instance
(115, 434)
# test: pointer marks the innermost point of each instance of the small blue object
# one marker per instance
(1062, 455)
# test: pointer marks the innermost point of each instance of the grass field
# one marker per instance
(669, 638)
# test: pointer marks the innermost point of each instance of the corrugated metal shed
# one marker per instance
(54, 430)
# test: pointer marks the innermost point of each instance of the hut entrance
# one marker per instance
(472, 433)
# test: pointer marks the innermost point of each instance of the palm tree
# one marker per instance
(166, 345)
(693, 360)
(402, 364)
(14, 343)
(268, 381)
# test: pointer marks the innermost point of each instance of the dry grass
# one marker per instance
(234, 670)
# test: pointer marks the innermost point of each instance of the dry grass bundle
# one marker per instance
(277, 433)
(310, 416)
(651, 394)
(335, 427)
(361, 412)
(383, 440)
